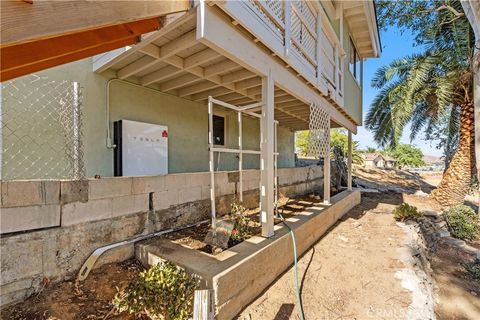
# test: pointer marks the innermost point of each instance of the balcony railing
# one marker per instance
(300, 33)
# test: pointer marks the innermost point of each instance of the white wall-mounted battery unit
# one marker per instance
(141, 148)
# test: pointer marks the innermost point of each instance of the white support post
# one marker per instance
(319, 48)
(275, 164)
(240, 156)
(342, 58)
(267, 156)
(326, 174)
(349, 162)
(211, 164)
(288, 29)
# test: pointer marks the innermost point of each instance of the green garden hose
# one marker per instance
(297, 287)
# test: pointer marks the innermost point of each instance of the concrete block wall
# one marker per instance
(49, 228)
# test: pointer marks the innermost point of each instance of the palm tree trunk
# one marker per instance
(457, 178)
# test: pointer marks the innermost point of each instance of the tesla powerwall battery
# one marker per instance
(142, 148)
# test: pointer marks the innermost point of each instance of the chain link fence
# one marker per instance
(41, 129)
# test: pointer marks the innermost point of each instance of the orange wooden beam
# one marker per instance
(24, 58)
(25, 21)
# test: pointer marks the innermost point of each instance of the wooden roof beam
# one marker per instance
(51, 18)
(52, 33)
(159, 75)
(196, 88)
(178, 82)
(289, 104)
(249, 83)
(204, 95)
(190, 62)
(220, 67)
(237, 76)
(154, 54)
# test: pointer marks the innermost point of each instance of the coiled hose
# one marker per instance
(297, 287)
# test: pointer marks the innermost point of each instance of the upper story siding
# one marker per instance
(313, 38)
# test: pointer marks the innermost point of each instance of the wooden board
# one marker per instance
(46, 33)
(25, 58)
(21, 21)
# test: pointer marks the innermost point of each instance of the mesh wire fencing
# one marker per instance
(319, 132)
(41, 129)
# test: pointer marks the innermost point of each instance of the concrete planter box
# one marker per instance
(236, 276)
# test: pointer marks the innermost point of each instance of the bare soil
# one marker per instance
(351, 273)
(348, 274)
(394, 177)
(68, 300)
(458, 292)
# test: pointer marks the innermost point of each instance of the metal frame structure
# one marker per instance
(241, 110)
(349, 162)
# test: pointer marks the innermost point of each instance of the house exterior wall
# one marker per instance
(369, 163)
(352, 88)
(187, 122)
(377, 162)
(389, 164)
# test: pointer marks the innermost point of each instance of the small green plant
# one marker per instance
(241, 220)
(473, 268)
(406, 212)
(462, 222)
(162, 292)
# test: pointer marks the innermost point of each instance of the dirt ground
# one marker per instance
(398, 178)
(457, 293)
(356, 271)
(348, 274)
(66, 300)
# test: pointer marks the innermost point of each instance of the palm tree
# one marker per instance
(422, 89)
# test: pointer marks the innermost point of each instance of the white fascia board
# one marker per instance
(221, 36)
(373, 28)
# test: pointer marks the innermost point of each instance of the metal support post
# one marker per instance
(349, 161)
(326, 175)
(211, 164)
(240, 156)
(267, 156)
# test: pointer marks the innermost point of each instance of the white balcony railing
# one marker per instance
(300, 33)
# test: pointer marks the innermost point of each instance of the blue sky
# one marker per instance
(394, 45)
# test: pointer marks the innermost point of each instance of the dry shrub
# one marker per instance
(406, 212)
(162, 292)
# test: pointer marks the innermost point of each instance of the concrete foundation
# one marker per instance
(49, 228)
(229, 274)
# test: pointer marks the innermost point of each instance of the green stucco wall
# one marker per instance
(187, 122)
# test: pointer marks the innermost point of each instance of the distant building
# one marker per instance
(373, 160)
(389, 162)
(377, 160)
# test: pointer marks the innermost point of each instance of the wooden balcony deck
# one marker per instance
(299, 33)
(222, 49)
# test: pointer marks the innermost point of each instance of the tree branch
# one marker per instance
(446, 7)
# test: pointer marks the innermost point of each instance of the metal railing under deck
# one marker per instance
(300, 33)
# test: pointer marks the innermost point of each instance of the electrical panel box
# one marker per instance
(141, 148)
